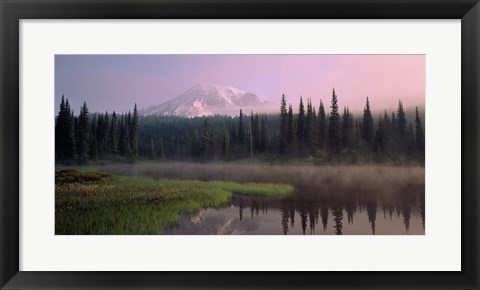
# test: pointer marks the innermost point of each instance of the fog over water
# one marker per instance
(330, 200)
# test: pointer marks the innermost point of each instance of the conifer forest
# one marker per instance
(326, 133)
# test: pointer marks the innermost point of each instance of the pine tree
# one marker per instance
(411, 142)
(93, 144)
(99, 134)
(225, 143)
(70, 133)
(393, 133)
(322, 127)
(83, 134)
(334, 135)
(310, 129)
(251, 135)
(256, 133)
(206, 140)
(114, 134)
(162, 149)
(380, 137)
(291, 140)
(368, 132)
(64, 133)
(394, 122)
(265, 135)
(233, 138)
(59, 131)
(347, 129)
(283, 143)
(241, 129)
(196, 144)
(419, 135)
(358, 131)
(152, 150)
(125, 145)
(102, 134)
(133, 131)
(401, 126)
(387, 133)
(301, 125)
(106, 132)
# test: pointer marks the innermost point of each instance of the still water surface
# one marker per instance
(328, 200)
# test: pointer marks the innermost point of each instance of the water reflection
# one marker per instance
(327, 200)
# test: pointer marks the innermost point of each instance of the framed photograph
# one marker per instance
(197, 144)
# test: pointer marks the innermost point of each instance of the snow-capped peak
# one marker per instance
(206, 99)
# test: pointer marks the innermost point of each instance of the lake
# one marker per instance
(327, 200)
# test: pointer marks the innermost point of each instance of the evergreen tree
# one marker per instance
(368, 132)
(334, 134)
(419, 135)
(394, 123)
(99, 134)
(401, 126)
(347, 129)
(114, 134)
(411, 142)
(125, 145)
(83, 134)
(301, 126)
(283, 126)
(59, 134)
(106, 133)
(206, 140)
(93, 144)
(380, 137)
(322, 127)
(133, 128)
(70, 133)
(153, 154)
(233, 138)
(162, 149)
(291, 140)
(64, 133)
(393, 133)
(241, 129)
(256, 133)
(102, 134)
(310, 129)
(225, 143)
(358, 131)
(387, 133)
(196, 144)
(265, 135)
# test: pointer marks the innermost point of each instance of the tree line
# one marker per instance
(326, 135)
(95, 136)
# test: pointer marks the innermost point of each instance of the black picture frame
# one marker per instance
(11, 11)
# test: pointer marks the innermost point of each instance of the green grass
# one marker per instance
(89, 202)
(255, 189)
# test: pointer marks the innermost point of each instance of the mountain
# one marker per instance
(208, 99)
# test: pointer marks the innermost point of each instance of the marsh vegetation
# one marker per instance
(90, 202)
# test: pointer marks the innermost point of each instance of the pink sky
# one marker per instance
(115, 82)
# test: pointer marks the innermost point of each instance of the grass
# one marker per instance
(89, 202)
